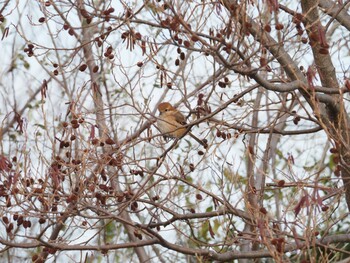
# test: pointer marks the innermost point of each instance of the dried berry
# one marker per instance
(109, 141)
(138, 36)
(324, 208)
(83, 67)
(263, 210)
(187, 43)
(182, 56)
(194, 38)
(267, 28)
(5, 219)
(279, 26)
(281, 183)
(222, 84)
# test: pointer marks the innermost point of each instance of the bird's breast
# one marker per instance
(170, 127)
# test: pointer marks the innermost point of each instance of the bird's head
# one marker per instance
(165, 106)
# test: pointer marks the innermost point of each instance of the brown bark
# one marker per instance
(336, 120)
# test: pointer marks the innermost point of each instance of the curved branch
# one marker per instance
(336, 11)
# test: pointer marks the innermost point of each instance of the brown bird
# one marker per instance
(171, 123)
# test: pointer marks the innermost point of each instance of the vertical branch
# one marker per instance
(251, 189)
(336, 114)
(87, 35)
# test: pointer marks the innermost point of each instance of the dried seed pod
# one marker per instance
(324, 208)
(109, 141)
(182, 56)
(222, 84)
(20, 220)
(5, 219)
(194, 38)
(314, 36)
(296, 120)
(83, 67)
(75, 126)
(263, 62)
(84, 13)
(263, 210)
(138, 36)
(95, 141)
(155, 198)
(267, 28)
(279, 26)
(74, 121)
(134, 206)
(281, 183)
(199, 197)
(187, 43)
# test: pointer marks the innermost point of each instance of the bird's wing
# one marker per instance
(180, 118)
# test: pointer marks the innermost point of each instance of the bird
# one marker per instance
(171, 123)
